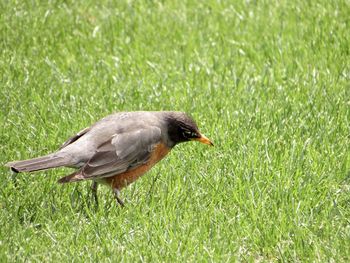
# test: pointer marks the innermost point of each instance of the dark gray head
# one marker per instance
(182, 128)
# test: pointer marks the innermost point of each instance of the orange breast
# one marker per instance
(121, 180)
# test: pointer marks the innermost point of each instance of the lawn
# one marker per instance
(267, 81)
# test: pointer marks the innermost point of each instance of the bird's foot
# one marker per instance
(117, 197)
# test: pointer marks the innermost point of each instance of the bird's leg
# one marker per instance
(116, 195)
(94, 191)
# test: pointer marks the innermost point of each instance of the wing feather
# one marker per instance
(122, 152)
(75, 137)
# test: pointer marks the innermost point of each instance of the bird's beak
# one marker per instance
(203, 139)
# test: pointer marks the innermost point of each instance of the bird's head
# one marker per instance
(182, 128)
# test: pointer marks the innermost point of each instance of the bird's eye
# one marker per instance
(187, 134)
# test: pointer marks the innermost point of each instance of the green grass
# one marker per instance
(267, 81)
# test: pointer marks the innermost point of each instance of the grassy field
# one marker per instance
(267, 81)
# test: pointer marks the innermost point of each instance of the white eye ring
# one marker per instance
(187, 133)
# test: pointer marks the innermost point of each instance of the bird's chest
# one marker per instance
(120, 181)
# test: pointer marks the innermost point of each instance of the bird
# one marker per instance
(118, 149)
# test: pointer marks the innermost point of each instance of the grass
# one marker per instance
(267, 81)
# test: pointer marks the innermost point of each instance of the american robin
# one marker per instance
(118, 149)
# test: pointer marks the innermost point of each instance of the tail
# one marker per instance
(37, 164)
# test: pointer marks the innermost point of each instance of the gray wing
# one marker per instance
(75, 137)
(122, 152)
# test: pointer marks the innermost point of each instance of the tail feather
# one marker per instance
(37, 164)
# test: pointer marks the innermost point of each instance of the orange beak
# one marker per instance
(203, 139)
